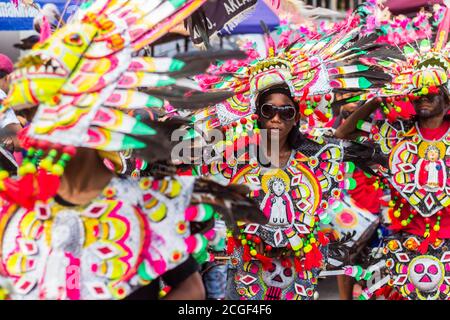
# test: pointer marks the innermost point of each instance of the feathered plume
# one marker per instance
(49, 15)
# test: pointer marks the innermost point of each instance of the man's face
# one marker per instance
(430, 106)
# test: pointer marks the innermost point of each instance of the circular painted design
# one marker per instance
(426, 273)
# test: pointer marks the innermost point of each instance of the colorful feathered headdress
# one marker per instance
(422, 67)
(86, 77)
(312, 68)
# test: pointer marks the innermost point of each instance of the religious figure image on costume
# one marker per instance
(225, 309)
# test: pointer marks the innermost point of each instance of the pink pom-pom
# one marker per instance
(210, 234)
(191, 213)
(191, 243)
(45, 30)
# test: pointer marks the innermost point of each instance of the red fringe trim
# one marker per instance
(423, 248)
(298, 265)
(313, 259)
(231, 245)
(322, 238)
(246, 255)
(265, 261)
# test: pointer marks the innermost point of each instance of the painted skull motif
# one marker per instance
(426, 273)
(278, 275)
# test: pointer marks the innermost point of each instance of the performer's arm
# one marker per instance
(345, 130)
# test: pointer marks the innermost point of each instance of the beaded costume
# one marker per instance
(282, 259)
(83, 80)
(413, 263)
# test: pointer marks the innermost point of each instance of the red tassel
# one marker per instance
(246, 255)
(387, 292)
(21, 192)
(392, 116)
(396, 296)
(311, 121)
(380, 292)
(423, 248)
(313, 259)
(48, 185)
(231, 245)
(265, 261)
(322, 238)
(395, 226)
(298, 265)
(308, 261)
(317, 261)
(433, 236)
(321, 116)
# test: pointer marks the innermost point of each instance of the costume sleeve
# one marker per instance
(218, 171)
(325, 156)
(164, 203)
(167, 204)
(384, 133)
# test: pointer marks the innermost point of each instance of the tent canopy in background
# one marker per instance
(252, 23)
(21, 18)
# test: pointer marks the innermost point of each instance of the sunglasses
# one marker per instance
(429, 97)
(287, 113)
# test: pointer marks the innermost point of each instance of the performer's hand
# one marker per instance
(365, 154)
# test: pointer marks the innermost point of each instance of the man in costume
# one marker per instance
(71, 229)
(413, 263)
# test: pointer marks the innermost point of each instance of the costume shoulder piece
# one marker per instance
(418, 168)
(388, 134)
(105, 249)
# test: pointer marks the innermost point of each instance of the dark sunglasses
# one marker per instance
(429, 97)
(287, 113)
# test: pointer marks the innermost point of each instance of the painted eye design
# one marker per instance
(419, 268)
(73, 39)
(272, 268)
(287, 272)
(432, 269)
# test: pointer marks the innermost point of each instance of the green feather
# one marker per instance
(141, 128)
(131, 143)
(364, 83)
